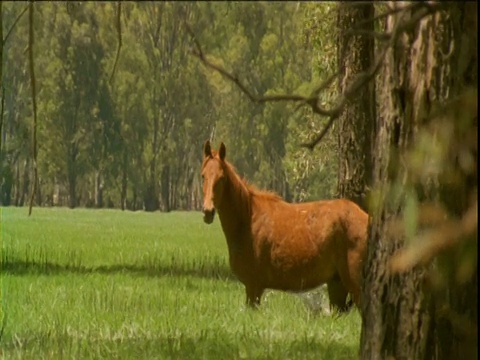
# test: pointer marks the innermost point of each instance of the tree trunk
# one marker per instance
(150, 197)
(355, 56)
(16, 197)
(56, 196)
(2, 88)
(401, 317)
(134, 199)
(38, 193)
(98, 189)
(6, 186)
(165, 188)
(123, 191)
(72, 183)
(25, 183)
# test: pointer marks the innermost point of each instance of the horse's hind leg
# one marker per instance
(254, 294)
(350, 277)
(337, 294)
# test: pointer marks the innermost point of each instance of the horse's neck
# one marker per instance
(235, 211)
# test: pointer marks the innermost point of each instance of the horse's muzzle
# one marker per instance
(208, 215)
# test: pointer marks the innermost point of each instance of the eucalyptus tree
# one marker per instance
(78, 123)
(355, 125)
(15, 107)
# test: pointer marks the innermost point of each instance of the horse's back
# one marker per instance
(320, 219)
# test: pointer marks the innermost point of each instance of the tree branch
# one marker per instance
(119, 32)
(14, 24)
(363, 78)
(446, 235)
(374, 34)
(391, 11)
(419, 11)
(311, 100)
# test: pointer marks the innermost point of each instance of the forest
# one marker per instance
(124, 108)
(107, 105)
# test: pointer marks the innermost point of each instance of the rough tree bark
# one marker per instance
(355, 125)
(354, 136)
(427, 66)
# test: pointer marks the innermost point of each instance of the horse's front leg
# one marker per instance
(254, 295)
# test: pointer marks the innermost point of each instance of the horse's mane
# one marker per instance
(252, 189)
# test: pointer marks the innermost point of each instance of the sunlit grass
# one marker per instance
(93, 284)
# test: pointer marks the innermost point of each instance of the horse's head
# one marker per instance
(213, 175)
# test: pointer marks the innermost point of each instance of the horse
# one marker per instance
(292, 247)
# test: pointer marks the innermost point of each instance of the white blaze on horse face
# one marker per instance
(212, 175)
(207, 195)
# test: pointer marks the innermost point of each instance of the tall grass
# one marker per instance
(106, 284)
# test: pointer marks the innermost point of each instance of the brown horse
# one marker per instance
(273, 244)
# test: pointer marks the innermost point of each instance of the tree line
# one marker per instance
(123, 107)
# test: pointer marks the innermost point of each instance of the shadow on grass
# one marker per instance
(183, 346)
(209, 271)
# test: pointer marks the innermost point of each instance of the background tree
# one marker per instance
(355, 124)
(131, 140)
(15, 141)
(312, 172)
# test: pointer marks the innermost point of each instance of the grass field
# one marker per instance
(107, 284)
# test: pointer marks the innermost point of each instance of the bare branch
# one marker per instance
(119, 32)
(391, 11)
(198, 52)
(311, 145)
(14, 24)
(316, 92)
(312, 100)
(440, 239)
(34, 103)
(419, 11)
(363, 78)
(326, 83)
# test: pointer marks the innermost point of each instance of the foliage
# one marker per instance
(134, 139)
(435, 227)
(314, 174)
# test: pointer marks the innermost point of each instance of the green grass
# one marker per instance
(106, 284)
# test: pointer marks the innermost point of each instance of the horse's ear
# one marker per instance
(207, 149)
(222, 151)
